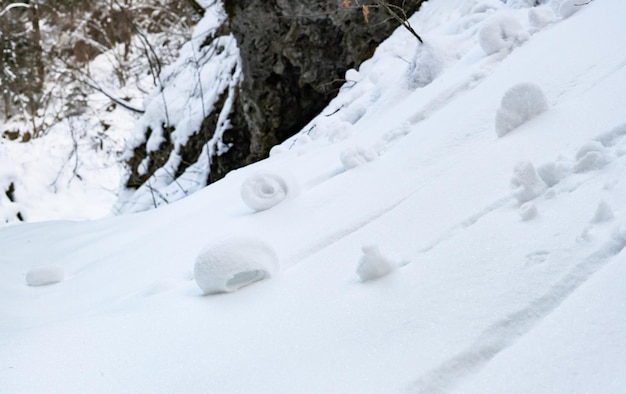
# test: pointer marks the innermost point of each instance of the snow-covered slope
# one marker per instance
(74, 166)
(505, 254)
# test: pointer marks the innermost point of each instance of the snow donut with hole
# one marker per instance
(231, 264)
(266, 190)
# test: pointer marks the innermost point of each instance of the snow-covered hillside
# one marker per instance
(61, 147)
(419, 250)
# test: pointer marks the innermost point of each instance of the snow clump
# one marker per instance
(231, 264)
(570, 7)
(266, 190)
(519, 104)
(341, 131)
(528, 211)
(45, 275)
(614, 136)
(426, 65)
(485, 6)
(334, 129)
(277, 150)
(603, 213)
(501, 34)
(356, 156)
(520, 3)
(526, 184)
(591, 156)
(540, 17)
(373, 264)
(552, 173)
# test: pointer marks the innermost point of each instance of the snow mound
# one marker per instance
(520, 103)
(373, 264)
(501, 34)
(526, 184)
(231, 264)
(356, 156)
(45, 275)
(266, 190)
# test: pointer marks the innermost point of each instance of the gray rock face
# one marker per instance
(294, 58)
(294, 55)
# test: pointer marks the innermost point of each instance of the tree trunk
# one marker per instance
(37, 49)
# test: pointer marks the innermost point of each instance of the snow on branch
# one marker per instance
(14, 5)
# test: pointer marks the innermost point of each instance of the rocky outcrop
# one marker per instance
(294, 57)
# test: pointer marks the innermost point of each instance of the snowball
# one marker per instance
(526, 184)
(373, 264)
(266, 190)
(427, 63)
(356, 156)
(569, 8)
(234, 263)
(519, 104)
(603, 213)
(353, 75)
(501, 34)
(528, 211)
(45, 275)
(591, 156)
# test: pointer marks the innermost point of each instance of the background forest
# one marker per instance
(73, 79)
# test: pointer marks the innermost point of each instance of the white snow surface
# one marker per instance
(492, 299)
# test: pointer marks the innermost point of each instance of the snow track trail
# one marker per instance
(447, 234)
(341, 233)
(505, 332)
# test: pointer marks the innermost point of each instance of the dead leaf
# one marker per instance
(366, 12)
